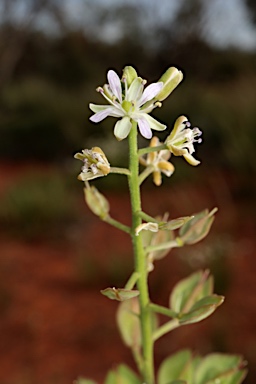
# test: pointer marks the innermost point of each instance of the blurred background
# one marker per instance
(55, 255)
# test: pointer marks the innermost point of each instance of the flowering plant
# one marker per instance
(193, 298)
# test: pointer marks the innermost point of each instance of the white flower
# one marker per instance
(129, 102)
(95, 164)
(181, 139)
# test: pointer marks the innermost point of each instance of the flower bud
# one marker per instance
(171, 79)
(97, 203)
(129, 74)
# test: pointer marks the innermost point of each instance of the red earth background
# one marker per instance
(56, 326)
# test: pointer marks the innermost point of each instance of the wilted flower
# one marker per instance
(181, 139)
(95, 163)
(158, 162)
(129, 101)
(153, 227)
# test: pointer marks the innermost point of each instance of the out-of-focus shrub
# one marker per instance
(37, 207)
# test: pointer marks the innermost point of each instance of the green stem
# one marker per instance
(167, 327)
(144, 151)
(163, 310)
(144, 174)
(117, 224)
(162, 246)
(121, 171)
(140, 261)
(148, 218)
(132, 280)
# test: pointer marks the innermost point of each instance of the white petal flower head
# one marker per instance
(129, 101)
(95, 164)
(182, 138)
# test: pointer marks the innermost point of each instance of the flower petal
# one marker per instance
(153, 227)
(154, 124)
(150, 92)
(105, 112)
(135, 90)
(115, 84)
(122, 128)
(144, 128)
(191, 160)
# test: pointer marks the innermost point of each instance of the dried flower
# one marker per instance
(95, 164)
(158, 162)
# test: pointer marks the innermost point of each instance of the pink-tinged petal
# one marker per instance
(144, 128)
(150, 92)
(122, 128)
(115, 84)
(99, 116)
(108, 111)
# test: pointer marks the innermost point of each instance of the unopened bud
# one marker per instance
(97, 203)
(171, 78)
(129, 74)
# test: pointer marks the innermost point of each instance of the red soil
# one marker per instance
(56, 326)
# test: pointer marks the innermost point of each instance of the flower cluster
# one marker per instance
(130, 101)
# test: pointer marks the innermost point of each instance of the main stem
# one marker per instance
(140, 260)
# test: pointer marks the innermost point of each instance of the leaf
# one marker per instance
(202, 309)
(128, 322)
(198, 227)
(119, 294)
(179, 382)
(176, 367)
(220, 368)
(189, 290)
(82, 380)
(122, 375)
(175, 223)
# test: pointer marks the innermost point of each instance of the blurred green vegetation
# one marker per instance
(38, 206)
(47, 81)
(44, 106)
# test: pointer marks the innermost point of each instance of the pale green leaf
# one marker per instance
(119, 294)
(188, 291)
(122, 375)
(202, 309)
(176, 367)
(220, 368)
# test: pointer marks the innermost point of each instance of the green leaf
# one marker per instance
(128, 322)
(119, 294)
(82, 380)
(197, 228)
(122, 375)
(202, 309)
(179, 382)
(189, 290)
(220, 368)
(176, 367)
